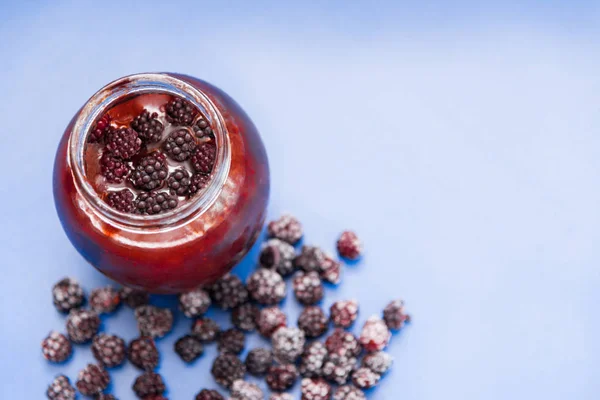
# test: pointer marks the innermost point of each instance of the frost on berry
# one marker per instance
(349, 245)
(375, 334)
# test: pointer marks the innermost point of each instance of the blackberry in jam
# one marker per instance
(148, 127)
(180, 145)
(180, 112)
(150, 171)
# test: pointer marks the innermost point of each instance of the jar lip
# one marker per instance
(143, 83)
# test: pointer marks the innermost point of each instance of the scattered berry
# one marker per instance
(258, 361)
(148, 127)
(194, 303)
(349, 392)
(364, 378)
(311, 258)
(149, 384)
(180, 112)
(281, 396)
(104, 300)
(108, 350)
(67, 295)
(123, 142)
(204, 158)
(105, 396)
(286, 228)
(308, 287)
(197, 183)
(82, 325)
(288, 344)
(349, 246)
(202, 128)
(269, 320)
(315, 389)
(278, 255)
(153, 321)
(394, 315)
(189, 348)
(208, 394)
(56, 347)
(227, 368)
(205, 329)
(179, 182)
(244, 317)
(150, 171)
(99, 130)
(134, 297)
(266, 287)
(343, 343)
(228, 292)
(313, 321)
(331, 270)
(121, 200)
(343, 313)
(242, 390)
(61, 389)
(142, 353)
(313, 359)
(92, 380)
(180, 145)
(337, 367)
(378, 362)
(375, 334)
(281, 377)
(155, 203)
(231, 341)
(113, 168)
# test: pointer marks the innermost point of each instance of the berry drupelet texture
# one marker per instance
(179, 182)
(378, 362)
(142, 353)
(109, 350)
(338, 367)
(308, 287)
(266, 287)
(395, 315)
(242, 390)
(148, 127)
(92, 380)
(313, 358)
(194, 303)
(375, 334)
(286, 228)
(288, 344)
(364, 378)
(278, 255)
(105, 300)
(56, 347)
(315, 389)
(231, 341)
(331, 270)
(189, 348)
(244, 317)
(206, 329)
(311, 258)
(133, 298)
(105, 396)
(67, 295)
(258, 361)
(180, 145)
(150, 171)
(61, 389)
(113, 168)
(204, 158)
(227, 368)
(281, 377)
(180, 112)
(121, 200)
(343, 313)
(153, 321)
(313, 321)
(228, 292)
(99, 130)
(208, 394)
(343, 343)
(269, 320)
(349, 245)
(149, 384)
(155, 203)
(202, 128)
(123, 142)
(82, 325)
(197, 183)
(281, 396)
(349, 392)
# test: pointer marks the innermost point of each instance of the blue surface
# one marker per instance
(459, 139)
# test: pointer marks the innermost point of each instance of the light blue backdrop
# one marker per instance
(460, 140)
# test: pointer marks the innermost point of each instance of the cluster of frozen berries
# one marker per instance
(160, 159)
(333, 368)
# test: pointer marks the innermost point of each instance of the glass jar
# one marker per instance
(181, 249)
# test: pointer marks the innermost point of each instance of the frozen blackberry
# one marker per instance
(121, 200)
(67, 295)
(343, 313)
(153, 321)
(338, 367)
(281, 396)
(313, 321)
(133, 297)
(123, 142)
(286, 228)
(204, 158)
(205, 329)
(197, 183)
(278, 255)
(208, 394)
(142, 353)
(179, 182)
(395, 315)
(105, 396)
(104, 300)
(189, 348)
(99, 130)
(108, 350)
(150, 171)
(194, 303)
(180, 112)
(313, 358)
(61, 389)
(375, 334)
(343, 342)
(281, 377)
(202, 128)
(315, 389)
(148, 127)
(180, 145)
(244, 317)
(378, 362)
(228, 292)
(288, 344)
(92, 379)
(331, 270)
(56, 347)
(227, 368)
(266, 287)
(364, 378)
(155, 203)
(308, 287)
(242, 390)
(231, 341)
(148, 384)
(269, 320)
(349, 245)
(113, 168)
(258, 361)
(311, 258)
(349, 392)
(82, 325)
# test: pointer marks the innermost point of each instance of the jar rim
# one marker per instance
(137, 84)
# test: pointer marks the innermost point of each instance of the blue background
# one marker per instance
(459, 139)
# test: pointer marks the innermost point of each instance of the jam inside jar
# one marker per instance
(161, 182)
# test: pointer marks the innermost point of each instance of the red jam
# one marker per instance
(161, 182)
